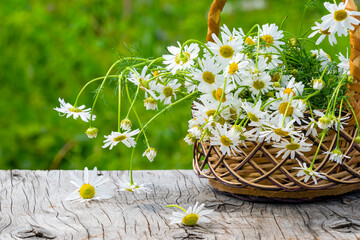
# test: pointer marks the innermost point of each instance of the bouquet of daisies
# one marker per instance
(257, 85)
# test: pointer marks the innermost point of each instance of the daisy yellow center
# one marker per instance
(150, 100)
(253, 117)
(275, 77)
(249, 41)
(74, 109)
(282, 109)
(156, 73)
(288, 91)
(280, 132)
(208, 77)
(258, 84)
(190, 219)
(340, 15)
(217, 94)
(183, 58)
(292, 146)
(87, 191)
(226, 51)
(325, 32)
(210, 113)
(268, 39)
(233, 68)
(168, 91)
(119, 138)
(225, 141)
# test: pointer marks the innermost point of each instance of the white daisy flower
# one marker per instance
(91, 132)
(311, 127)
(271, 59)
(224, 50)
(90, 187)
(328, 121)
(323, 33)
(258, 83)
(214, 92)
(339, 20)
(322, 56)
(234, 35)
(227, 139)
(295, 110)
(142, 80)
(190, 139)
(308, 173)
(115, 137)
(125, 185)
(291, 148)
(191, 216)
(294, 88)
(232, 70)
(336, 155)
(317, 84)
(276, 132)
(150, 103)
(168, 91)
(271, 35)
(69, 110)
(209, 72)
(126, 125)
(195, 131)
(344, 64)
(180, 61)
(253, 111)
(150, 153)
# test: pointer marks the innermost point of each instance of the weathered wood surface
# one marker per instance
(32, 206)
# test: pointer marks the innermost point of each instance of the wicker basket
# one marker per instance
(256, 174)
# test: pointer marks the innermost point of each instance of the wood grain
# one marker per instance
(32, 206)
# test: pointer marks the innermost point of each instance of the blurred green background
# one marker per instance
(50, 49)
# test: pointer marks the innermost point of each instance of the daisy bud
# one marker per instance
(150, 103)
(350, 79)
(275, 77)
(126, 125)
(324, 122)
(357, 139)
(294, 72)
(293, 41)
(195, 131)
(317, 84)
(314, 55)
(91, 132)
(276, 85)
(190, 139)
(150, 153)
(270, 94)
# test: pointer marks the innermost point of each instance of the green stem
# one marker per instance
(339, 122)
(119, 102)
(148, 122)
(195, 41)
(323, 133)
(88, 83)
(176, 207)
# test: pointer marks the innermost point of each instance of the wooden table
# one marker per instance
(32, 206)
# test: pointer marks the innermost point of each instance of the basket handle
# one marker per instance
(214, 18)
(354, 88)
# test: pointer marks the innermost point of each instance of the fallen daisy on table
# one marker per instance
(90, 187)
(192, 216)
(126, 185)
(336, 155)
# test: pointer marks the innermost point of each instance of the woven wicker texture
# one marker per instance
(257, 172)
